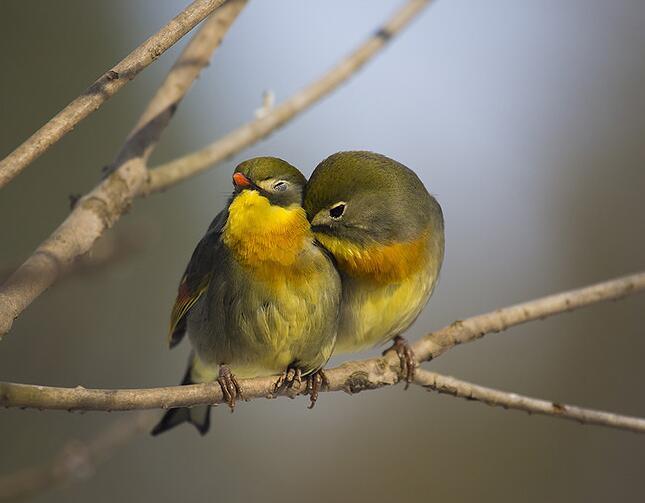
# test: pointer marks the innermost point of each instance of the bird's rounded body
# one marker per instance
(275, 301)
(259, 295)
(376, 307)
(388, 242)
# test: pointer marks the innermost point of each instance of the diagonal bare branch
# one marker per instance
(190, 165)
(104, 88)
(351, 377)
(100, 208)
(473, 328)
(462, 389)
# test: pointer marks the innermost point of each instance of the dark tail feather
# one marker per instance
(199, 417)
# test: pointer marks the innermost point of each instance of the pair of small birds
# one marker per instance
(292, 271)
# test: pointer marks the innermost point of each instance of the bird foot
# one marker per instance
(406, 357)
(230, 387)
(292, 379)
(316, 382)
(289, 378)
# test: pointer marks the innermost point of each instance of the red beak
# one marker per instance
(240, 180)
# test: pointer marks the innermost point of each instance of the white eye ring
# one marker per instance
(337, 211)
(280, 186)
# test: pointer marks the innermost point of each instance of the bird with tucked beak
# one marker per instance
(386, 233)
(259, 296)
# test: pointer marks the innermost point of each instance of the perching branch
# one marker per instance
(353, 377)
(104, 88)
(438, 342)
(78, 459)
(462, 389)
(100, 208)
(190, 165)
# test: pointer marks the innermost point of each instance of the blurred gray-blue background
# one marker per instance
(525, 119)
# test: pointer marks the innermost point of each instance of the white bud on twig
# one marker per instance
(268, 101)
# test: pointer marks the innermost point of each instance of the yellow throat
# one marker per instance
(383, 263)
(258, 232)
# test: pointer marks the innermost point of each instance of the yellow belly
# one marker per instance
(373, 313)
(286, 290)
(281, 323)
(385, 286)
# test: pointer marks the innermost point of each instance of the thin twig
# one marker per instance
(77, 460)
(352, 377)
(112, 249)
(473, 328)
(99, 209)
(104, 88)
(190, 165)
(497, 398)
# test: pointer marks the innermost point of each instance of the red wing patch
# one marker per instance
(185, 300)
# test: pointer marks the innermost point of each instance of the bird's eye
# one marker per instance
(280, 186)
(337, 211)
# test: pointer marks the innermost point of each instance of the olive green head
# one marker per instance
(366, 197)
(275, 179)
